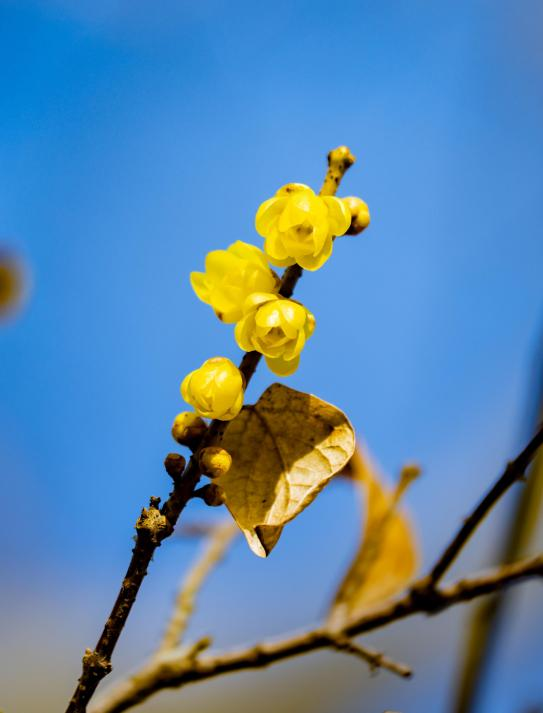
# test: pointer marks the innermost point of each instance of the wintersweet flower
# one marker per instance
(277, 328)
(299, 226)
(231, 276)
(215, 390)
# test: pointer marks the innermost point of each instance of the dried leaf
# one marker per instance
(387, 558)
(284, 450)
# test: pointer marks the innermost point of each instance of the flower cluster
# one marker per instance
(298, 227)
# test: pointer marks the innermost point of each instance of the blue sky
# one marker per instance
(134, 139)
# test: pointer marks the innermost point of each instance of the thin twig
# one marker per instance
(514, 472)
(488, 618)
(375, 659)
(178, 671)
(155, 525)
(214, 550)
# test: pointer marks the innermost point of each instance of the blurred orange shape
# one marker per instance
(387, 558)
(12, 283)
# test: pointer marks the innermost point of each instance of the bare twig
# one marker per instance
(156, 525)
(177, 671)
(374, 659)
(514, 472)
(487, 619)
(215, 548)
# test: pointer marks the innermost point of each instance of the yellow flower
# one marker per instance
(277, 328)
(299, 226)
(231, 276)
(215, 390)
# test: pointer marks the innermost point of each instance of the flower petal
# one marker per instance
(281, 367)
(200, 286)
(339, 216)
(313, 262)
(243, 331)
(267, 215)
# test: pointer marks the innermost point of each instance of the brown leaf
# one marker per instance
(284, 450)
(387, 557)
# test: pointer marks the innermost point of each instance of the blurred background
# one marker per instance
(134, 138)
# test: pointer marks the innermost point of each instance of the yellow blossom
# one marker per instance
(231, 276)
(215, 390)
(299, 226)
(277, 328)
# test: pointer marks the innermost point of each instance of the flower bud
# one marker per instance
(410, 472)
(175, 465)
(360, 214)
(212, 495)
(299, 226)
(215, 390)
(215, 461)
(188, 428)
(277, 328)
(341, 156)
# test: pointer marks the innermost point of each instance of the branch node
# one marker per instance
(95, 665)
(152, 524)
(425, 597)
(199, 646)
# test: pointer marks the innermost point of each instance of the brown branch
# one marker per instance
(514, 472)
(178, 670)
(219, 538)
(156, 525)
(374, 659)
(487, 619)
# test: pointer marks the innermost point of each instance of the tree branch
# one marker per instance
(424, 597)
(514, 472)
(177, 670)
(487, 620)
(155, 525)
(374, 659)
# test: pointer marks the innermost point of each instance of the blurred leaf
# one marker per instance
(11, 283)
(284, 450)
(388, 556)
